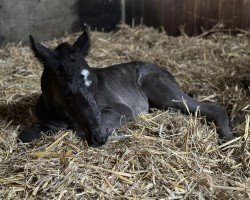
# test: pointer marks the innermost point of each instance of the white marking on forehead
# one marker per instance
(85, 74)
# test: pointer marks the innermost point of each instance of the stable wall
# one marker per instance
(46, 19)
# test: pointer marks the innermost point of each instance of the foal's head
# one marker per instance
(73, 81)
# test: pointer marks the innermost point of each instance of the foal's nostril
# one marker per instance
(97, 140)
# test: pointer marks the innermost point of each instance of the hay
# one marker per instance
(168, 156)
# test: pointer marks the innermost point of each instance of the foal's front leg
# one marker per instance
(113, 117)
(163, 92)
(51, 123)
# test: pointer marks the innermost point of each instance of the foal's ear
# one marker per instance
(43, 53)
(83, 42)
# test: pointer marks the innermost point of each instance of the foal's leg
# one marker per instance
(113, 117)
(163, 92)
(52, 123)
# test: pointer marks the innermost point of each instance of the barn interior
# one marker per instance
(204, 44)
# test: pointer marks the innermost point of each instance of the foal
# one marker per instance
(95, 101)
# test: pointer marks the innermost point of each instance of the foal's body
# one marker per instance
(95, 101)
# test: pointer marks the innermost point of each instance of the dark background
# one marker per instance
(46, 19)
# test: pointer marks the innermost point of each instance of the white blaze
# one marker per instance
(85, 74)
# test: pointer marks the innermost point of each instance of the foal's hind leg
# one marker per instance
(52, 122)
(163, 92)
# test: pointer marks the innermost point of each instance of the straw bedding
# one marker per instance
(169, 156)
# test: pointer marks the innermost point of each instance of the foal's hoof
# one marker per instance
(29, 134)
(228, 138)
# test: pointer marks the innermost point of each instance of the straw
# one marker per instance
(168, 156)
